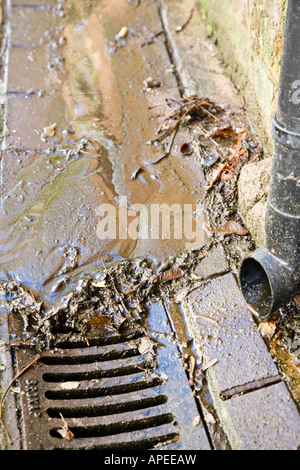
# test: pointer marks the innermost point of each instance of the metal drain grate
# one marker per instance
(110, 396)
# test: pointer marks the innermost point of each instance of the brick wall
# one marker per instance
(249, 34)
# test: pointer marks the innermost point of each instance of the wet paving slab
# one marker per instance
(90, 89)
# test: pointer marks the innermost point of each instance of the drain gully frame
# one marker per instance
(112, 396)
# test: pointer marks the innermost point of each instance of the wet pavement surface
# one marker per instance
(88, 85)
(103, 126)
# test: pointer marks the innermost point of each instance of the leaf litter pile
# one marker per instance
(213, 140)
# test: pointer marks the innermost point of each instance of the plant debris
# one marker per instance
(6, 391)
(267, 329)
(209, 159)
(151, 38)
(64, 431)
(210, 363)
(173, 273)
(180, 28)
(123, 32)
(150, 83)
(49, 131)
(135, 173)
(238, 158)
(184, 111)
(112, 301)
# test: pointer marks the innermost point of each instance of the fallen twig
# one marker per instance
(89, 154)
(205, 317)
(191, 370)
(176, 127)
(151, 38)
(197, 103)
(210, 114)
(116, 290)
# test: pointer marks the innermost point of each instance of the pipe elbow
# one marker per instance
(267, 282)
(270, 277)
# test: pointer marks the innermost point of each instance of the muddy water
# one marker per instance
(57, 211)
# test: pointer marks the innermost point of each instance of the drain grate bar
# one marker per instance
(101, 387)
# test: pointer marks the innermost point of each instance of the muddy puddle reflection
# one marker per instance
(55, 210)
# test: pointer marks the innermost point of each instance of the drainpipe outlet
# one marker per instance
(270, 277)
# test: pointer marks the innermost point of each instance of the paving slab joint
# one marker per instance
(250, 387)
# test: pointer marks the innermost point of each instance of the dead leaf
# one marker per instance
(169, 275)
(49, 131)
(145, 345)
(216, 173)
(70, 385)
(231, 227)
(123, 33)
(276, 342)
(226, 175)
(297, 300)
(64, 431)
(267, 329)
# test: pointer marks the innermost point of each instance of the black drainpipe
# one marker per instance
(270, 277)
